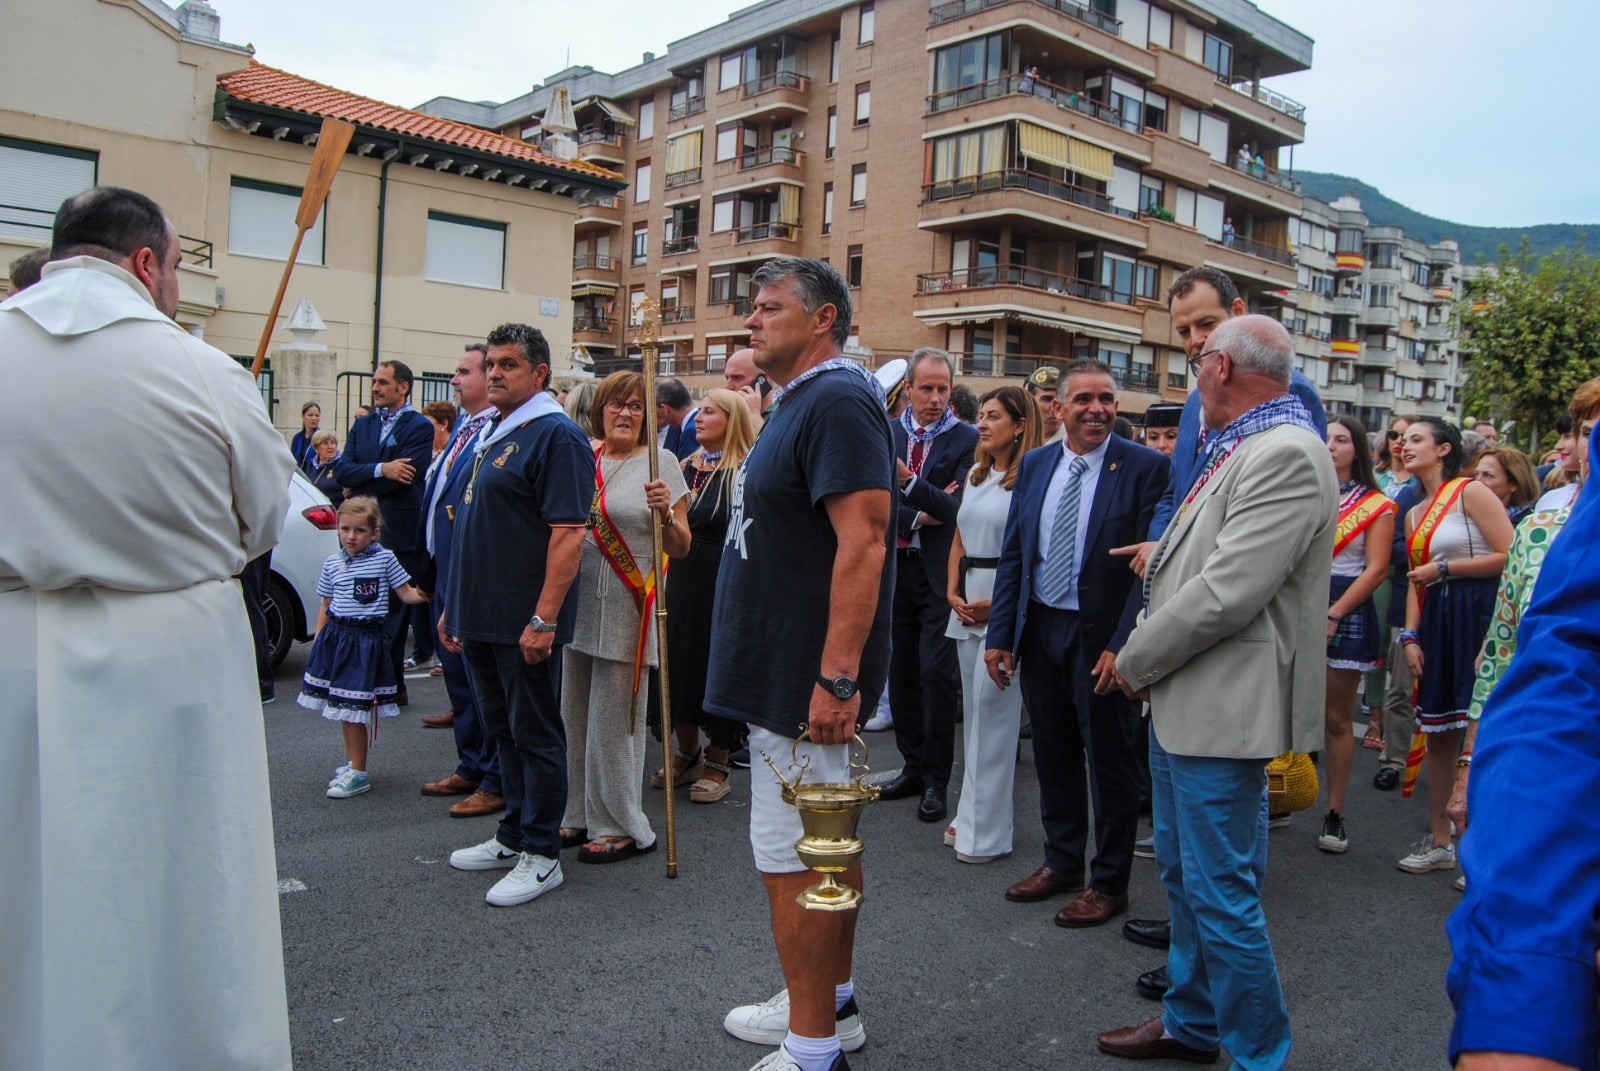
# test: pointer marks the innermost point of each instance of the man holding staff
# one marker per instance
(810, 513)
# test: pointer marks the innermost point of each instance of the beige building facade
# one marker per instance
(433, 233)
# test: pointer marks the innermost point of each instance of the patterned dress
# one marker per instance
(1523, 561)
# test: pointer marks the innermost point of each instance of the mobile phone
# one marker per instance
(763, 385)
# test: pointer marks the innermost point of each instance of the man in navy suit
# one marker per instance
(675, 413)
(935, 451)
(1062, 608)
(477, 775)
(384, 454)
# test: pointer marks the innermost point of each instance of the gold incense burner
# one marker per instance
(829, 815)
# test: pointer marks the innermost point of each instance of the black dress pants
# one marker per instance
(924, 675)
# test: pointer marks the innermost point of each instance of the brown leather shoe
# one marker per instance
(440, 721)
(1092, 908)
(1043, 884)
(454, 785)
(1145, 1042)
(478, 804)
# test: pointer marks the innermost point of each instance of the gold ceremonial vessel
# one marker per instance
(829, 814)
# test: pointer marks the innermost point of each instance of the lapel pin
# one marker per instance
(1112, 467)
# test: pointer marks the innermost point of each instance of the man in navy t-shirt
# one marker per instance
(810, 516)
(518, 540)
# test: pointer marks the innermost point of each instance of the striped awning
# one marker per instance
(683, 152)
(616, 114)
(1044, 145)
(1091, 160)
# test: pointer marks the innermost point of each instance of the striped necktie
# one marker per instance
(1055, 580)
(468, 433)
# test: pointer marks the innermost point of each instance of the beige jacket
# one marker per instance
(1232, 644)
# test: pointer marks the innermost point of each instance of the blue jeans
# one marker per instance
(1211, 846)
(521, 709)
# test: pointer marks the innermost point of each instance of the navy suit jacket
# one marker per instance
(454, 481)
(411, 437)
(681, 440)
(1132, 480)
(946, 462)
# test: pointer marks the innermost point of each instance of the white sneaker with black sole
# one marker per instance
(767, 1023)
(533, 876)
(490, 855)
(1428, 856)
(1145, 849)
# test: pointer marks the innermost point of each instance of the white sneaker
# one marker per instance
(350, 783)
(533, 876)
(1461, 883)
(1428, 856)
(767, 1023)
(338, 773)
(782, 1061)
(879, 722)
(490, 855)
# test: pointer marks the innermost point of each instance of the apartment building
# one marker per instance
(1372, 321)
(1014, 180)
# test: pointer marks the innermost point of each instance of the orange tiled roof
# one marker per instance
(260, 84)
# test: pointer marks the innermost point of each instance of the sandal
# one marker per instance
(613, 851)
(708, 789)
(1373, 739)
(687, 774)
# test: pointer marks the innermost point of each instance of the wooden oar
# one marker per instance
(331, 144)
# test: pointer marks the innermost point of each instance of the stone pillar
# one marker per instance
(304, 371)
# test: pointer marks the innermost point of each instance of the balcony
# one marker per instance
(594, 268)
(1261, 185)
(1264, 263)
(1436, 332)
(1349, 263)
(1012, 291)
(771, 162)
(1381, 316)
(1376, 357)
(1257, 249)
(940, 14)
(678, 314)
(686, 108)
(780, 91)
(672, 247)
(1184, 161)
(1141, 378)
(599, 214)
(594, 328)
(1257, 92)
(996, 101)
(682, 178)
(726, 313)
(1348, 393)
(599, 145)
(1442, 293)
(956, 202)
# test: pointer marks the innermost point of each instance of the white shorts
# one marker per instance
(775, 825)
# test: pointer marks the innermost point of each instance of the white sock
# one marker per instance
(812, 1054)
(842, 994)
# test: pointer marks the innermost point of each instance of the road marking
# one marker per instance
(291, 885)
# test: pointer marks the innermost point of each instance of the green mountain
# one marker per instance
(1385, 212)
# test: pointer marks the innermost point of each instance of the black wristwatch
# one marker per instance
(840, 687)
(539, 624)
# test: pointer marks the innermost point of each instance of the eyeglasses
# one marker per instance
(614, 406)
(1199, 362)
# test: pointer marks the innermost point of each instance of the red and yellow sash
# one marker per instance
(1359, 509)
(1419, 546)
(617, 553)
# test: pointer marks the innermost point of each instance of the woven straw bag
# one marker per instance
(1291, 783)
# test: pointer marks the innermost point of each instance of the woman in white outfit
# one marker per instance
(1008, 427)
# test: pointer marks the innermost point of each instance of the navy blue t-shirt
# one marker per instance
(539, 475)
(770, 620)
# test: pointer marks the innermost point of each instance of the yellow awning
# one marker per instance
(683, 152)
(1091, 160)
(789, 204)
(617, 114)
(1044, 145)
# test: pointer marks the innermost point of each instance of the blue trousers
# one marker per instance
(521, 709)
(480, 759)
(1211, 846)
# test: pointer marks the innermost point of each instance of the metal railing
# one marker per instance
(353, 390)
(677, 314)
(689, 243)
(1139, 378)
(1267, 174)
(1018, 275)
(1018, 179)
(737, 306)
(594, 260)
(594, 322)
(757, 232)
(689, 107)
(594, 136)
(195, 251)
(1257, 249)
(1257, 92)
(776, 80)
(682, 178)
(772, 154)
(942, 13)
(1009, 84)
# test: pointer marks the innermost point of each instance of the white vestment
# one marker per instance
(138, 473)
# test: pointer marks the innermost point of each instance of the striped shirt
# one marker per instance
(359, 586)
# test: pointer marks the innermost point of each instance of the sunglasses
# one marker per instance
(1393, 435)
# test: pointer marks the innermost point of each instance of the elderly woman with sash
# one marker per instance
(1361, 546)
(603, 682)
(1456, 540)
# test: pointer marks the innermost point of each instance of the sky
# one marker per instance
(1475, 111)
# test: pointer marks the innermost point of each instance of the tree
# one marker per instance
(1530, 331)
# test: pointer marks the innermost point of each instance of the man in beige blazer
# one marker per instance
(1229, 653)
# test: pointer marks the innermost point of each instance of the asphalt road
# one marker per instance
(394, 961)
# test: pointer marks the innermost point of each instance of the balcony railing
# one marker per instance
(1257, 249)
(594, 260)
(687, 244)
(1258, 92)
(737, 306)
(1267, 174)
(776, 80)
(677, 314)
(759, 231)
(594, 322)
(1018, 275)
(772, 154)
(1140, 378)
(1018, 179)
(1005, 85)
(595, 136)
(687, 107)
(956, 9)
(682, 178)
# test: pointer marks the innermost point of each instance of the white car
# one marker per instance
(310, 534)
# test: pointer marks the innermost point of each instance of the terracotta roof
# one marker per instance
(260, 84)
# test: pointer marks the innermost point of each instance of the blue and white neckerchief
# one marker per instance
(831, 364)
(946, 421)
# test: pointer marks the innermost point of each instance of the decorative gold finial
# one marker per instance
(647, 318)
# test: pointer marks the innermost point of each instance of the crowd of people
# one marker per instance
(1158, 618)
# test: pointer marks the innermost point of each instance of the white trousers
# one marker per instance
(991, 720)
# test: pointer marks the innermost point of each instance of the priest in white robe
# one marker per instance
(138, 473)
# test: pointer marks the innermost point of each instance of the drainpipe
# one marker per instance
(377, 279)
